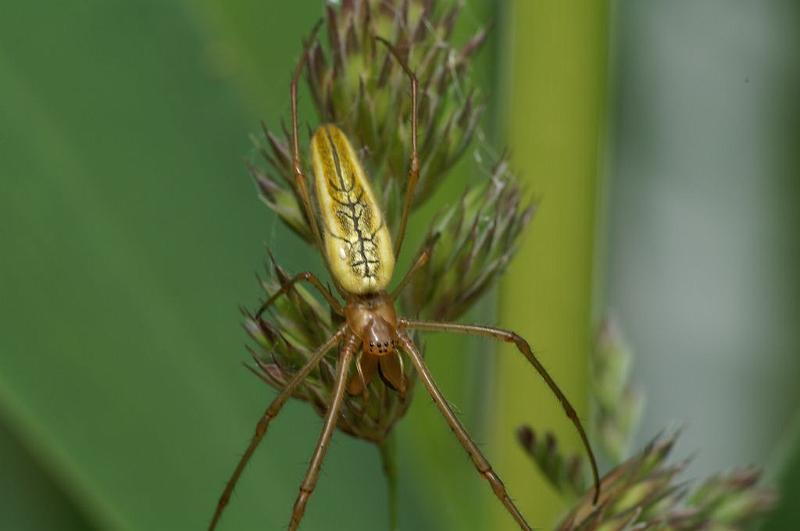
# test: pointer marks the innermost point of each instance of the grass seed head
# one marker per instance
(354, 81)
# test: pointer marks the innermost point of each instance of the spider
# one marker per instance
(351, 233)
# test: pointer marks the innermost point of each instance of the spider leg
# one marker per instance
(299, 177)
(263, 423)
(310, 480)
(303, 277)
(419, 263)
(523, 346)
(480, 462)
(413, 171)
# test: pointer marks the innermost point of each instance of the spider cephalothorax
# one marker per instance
(374, 320)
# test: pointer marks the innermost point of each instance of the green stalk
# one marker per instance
(556, 101)
(388, 451)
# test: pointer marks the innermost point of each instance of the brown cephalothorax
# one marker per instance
(348, 227)
(372, 318)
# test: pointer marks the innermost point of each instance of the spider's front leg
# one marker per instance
(263, 423)
(523, 346)
(310, 481)
(478, 459)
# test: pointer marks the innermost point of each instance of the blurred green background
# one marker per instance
(663, 135)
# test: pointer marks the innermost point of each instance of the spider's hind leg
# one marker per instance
(420, 262)
(303, 277)
(300, 180)
(413, 171)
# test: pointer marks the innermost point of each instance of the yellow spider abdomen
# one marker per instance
(358, 247)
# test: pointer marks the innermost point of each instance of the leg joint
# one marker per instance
(261, 427)
(223, 500)
(497, 484)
